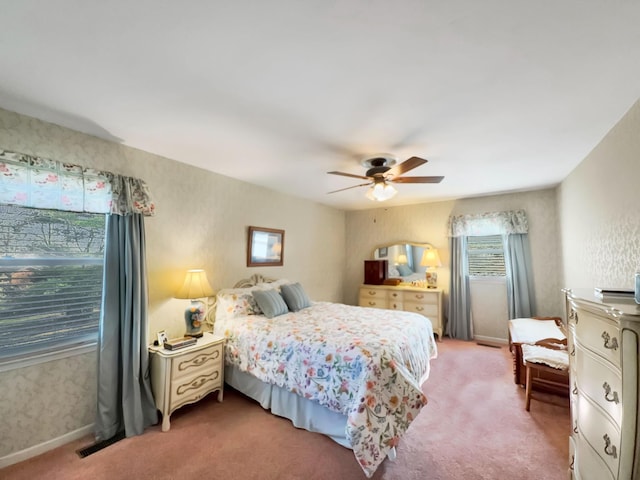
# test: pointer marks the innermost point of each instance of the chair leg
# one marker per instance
(527, 391)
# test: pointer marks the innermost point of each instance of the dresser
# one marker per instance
(180, 377)
(603, 342)
(427, 302)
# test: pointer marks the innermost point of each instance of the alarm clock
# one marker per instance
(637, 289)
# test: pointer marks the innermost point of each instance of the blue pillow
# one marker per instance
(295, 296)
(270, 302)
(404, 270)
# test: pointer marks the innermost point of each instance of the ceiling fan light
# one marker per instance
(381, 191)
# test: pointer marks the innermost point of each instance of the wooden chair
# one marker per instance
(549, 356)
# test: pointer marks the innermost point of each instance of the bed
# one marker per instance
(351, 373)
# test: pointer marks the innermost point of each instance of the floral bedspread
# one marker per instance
(365, 363)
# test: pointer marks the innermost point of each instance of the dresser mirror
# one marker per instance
(403, 260)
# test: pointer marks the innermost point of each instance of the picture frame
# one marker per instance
(265, 247)
(383, 252)
(162, 337)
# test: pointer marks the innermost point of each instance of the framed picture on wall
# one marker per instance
(265, 247)
(383, 252)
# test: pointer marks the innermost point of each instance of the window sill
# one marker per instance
(35, 359)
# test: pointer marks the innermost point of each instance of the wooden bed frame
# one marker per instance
(543, 380)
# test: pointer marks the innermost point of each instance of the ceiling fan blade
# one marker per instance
(349, 175)
(407, 165)
(349, 188)
(417, 179)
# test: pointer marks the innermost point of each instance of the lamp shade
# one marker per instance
(402, 258)
(430, 258)
(195, 285)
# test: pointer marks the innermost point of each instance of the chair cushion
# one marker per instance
(553, 358)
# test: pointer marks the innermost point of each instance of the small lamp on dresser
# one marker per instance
(431, 259)
(195, 287)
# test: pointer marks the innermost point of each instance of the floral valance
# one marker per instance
(494, 223)
(39, 182)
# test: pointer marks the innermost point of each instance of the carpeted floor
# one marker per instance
(474, 427)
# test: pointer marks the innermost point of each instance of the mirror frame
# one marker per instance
(399, 242)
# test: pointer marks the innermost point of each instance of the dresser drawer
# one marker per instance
(602, 435)
(587, 464)
(421, 297)
(423, 309)
(599, 381)
(600, 335)
(203, 361)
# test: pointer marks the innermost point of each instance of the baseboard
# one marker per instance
(45, 446)
(490, 340)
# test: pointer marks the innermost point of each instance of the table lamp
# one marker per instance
(195, 286)
(431, 259)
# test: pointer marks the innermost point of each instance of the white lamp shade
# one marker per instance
(195, 285)
(430, 258)
(402, 258)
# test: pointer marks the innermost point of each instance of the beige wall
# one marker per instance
(201, 222)
(599, 206)
(367, 229)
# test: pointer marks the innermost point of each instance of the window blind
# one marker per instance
(485, 256)
(51, 267)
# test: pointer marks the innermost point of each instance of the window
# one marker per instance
(486, 256)
(51, 265)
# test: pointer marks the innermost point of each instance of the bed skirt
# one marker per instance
(303, 413)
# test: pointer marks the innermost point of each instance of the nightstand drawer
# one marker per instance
(600, 335)
(204, 360)
(421, 297)
(193, 388)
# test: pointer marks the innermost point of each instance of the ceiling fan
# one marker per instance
(382, 171)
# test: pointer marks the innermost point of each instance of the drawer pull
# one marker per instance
(372, 303)
(609, 343)
(575, 389)
(608, 448)
(395, 307)
(394, 294)
(573, 460)
(574, 315)
(419, 308)
(419, 296)
(372, 292)
(575, 428)
(607, 392)
(573, 351)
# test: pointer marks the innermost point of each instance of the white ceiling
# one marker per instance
(498, 95)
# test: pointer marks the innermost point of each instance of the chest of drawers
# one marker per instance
(427, 302)
(603, 345)
(180, 377)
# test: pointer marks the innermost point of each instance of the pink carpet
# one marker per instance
(474, 427)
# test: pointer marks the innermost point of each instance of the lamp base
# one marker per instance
(193, 319)
(432, 279)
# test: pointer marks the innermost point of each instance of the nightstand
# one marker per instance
(180, 377)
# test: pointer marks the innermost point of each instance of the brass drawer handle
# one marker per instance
(575, 428)
(573, 351)
(394, 294)
(573, 460)
(372, 292)
(609, 343)
(419, 296)
(607, 391)
(372, 303)
(608, 448)
(575, 389)
(419, 308)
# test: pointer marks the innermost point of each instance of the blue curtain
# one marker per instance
(520, 291)
(459, 324)
(125, 401)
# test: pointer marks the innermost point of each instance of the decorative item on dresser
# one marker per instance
(375, 271)
(431, 259)
(410, 299)
(603, 338)
(180, 377)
